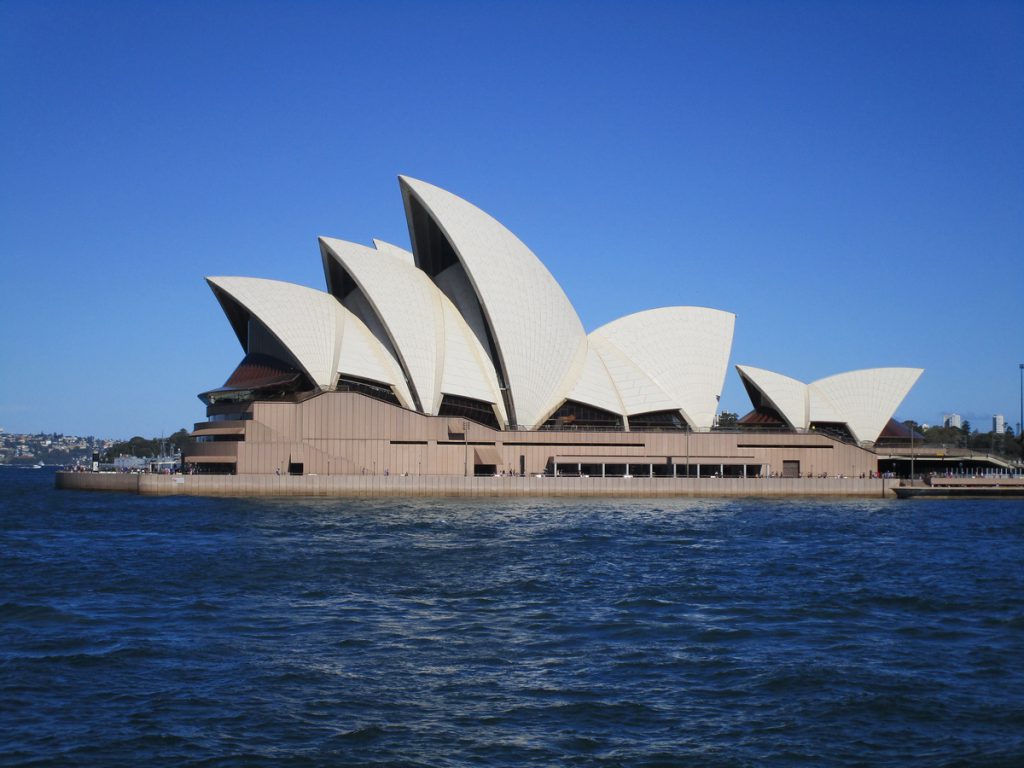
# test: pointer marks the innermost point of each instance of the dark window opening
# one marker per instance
(468, 408)
(237, 315)
(295, 467)
(204, 468)
(658, 420)
(434, 254)
(485, 470)
(369, 388)
(230, 416)
(572, 415)
(339, 283)
(834, 429)
(551, 444)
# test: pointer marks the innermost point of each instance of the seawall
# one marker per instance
(377, 486)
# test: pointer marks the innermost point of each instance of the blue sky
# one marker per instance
(847, 177)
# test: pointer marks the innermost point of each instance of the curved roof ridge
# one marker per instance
(408, 312)
(539, 340)
(437, 350)
(868, 397)
(468, 371)
(595, 385)
(307, 322)
(393, 250)
(323, 337)
(788, 396)
(660, 309)
(637, 392)
(684, 350)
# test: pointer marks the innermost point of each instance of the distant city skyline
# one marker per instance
(847, 179)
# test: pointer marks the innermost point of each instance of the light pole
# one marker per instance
(687, 451)
(911, 455)
(465, 439)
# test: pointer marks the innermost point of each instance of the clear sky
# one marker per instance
(847, 177)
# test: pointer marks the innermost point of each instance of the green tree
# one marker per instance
(727, 419)
(179, 440)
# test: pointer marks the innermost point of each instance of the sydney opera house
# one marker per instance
(464, 356)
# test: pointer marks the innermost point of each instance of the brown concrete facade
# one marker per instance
(350, 434)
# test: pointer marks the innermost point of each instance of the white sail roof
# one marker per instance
(595, 386)
(307, 322)
(394, 250)
(868, 398)
(540, 342)
(637, 391)
(787, 396)
(467, 369)
(323, 337)
(821, 408)
(684, 350)
(406, 304)
(863, 400)
(435, 346)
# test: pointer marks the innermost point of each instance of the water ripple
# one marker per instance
(227, 632)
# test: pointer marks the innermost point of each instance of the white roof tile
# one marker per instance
(433, 342)
(868, 398)
(787, 396)
(539, 338)
(684, 350)
(322, 336)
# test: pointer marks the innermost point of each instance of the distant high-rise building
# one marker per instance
(952, 420)
(999, 424)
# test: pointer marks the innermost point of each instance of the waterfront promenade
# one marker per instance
(380, 486)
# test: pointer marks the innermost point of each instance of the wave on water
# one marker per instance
(193, 631)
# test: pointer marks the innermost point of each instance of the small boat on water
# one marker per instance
(40, 465)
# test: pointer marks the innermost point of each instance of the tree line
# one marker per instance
(1007, 444)
(153, 446)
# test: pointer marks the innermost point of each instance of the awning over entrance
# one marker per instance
(487, 454)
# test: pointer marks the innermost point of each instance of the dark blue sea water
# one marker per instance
(162, 631)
